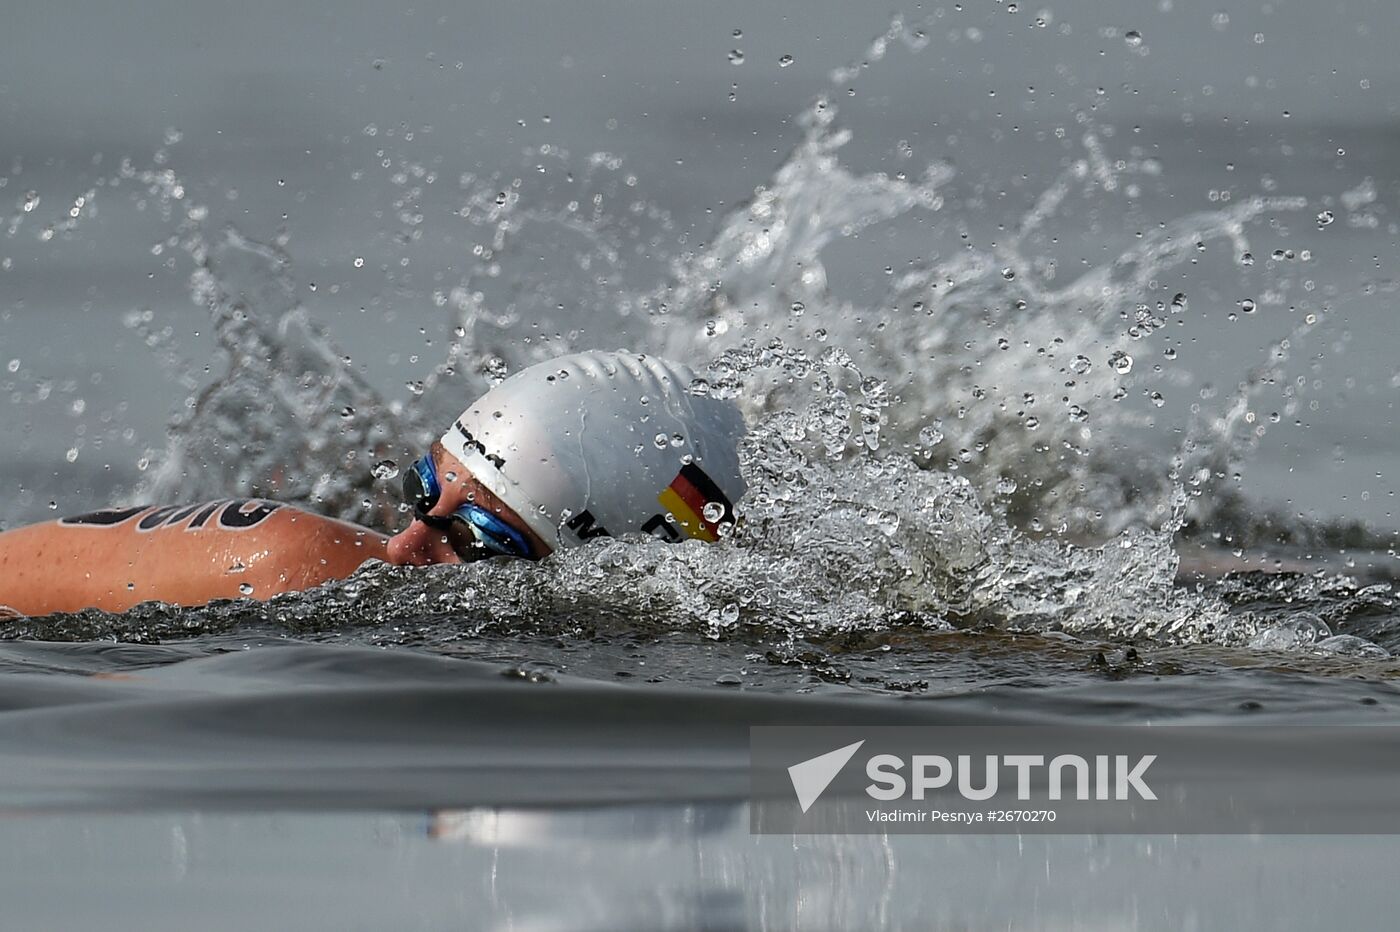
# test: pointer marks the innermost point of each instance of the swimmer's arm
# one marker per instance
(188, 555)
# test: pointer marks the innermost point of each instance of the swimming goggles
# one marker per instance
(421, 491)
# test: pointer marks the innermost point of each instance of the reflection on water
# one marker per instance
(673, 867)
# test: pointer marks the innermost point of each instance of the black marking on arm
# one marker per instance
(184, 513)
(107, 517)
(203, 517)
(157, 518)
(238, 516)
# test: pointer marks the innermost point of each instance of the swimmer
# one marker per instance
(588, 445)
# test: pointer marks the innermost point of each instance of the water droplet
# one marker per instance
(1247, 305)
(384, 469)
(1133, 38)
(53, 506)
(13, 365)
(738, 33)
(736, 56)
(245, 588)
(660, 441)
(785, 61)
(359, 262)
(713, 512)
(728, 679)
(1157, 399)
(1008, 273)
(1325, 218)
(1121, 362)
(1247, 259)
(699, 387)
(798, 308)
(29, 201)
(414, 386)
(1006, 485)
(1179, 302)
(1081, 364)
(932, 435)
(501, 199)
(886, 522)
(1032, 422)
(347, 412)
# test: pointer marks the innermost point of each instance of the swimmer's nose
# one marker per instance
(420, 545)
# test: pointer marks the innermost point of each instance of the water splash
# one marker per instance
(288, 417)
(924, 460)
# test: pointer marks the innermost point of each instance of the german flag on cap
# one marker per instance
(686, 497)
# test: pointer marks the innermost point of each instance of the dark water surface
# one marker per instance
(233, 782)
(248, 725)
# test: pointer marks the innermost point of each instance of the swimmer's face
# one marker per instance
(420, 545)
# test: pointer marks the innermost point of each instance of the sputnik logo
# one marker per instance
(811, 777)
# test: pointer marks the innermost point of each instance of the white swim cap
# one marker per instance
(596, 444)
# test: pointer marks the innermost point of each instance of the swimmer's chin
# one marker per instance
(456, 559)
(416, 545)
(452, 558)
